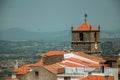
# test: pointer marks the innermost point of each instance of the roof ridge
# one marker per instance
(52, 53)
(82, 62)
(94, 58)
(85, 27)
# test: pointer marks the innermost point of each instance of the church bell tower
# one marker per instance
(86, 38)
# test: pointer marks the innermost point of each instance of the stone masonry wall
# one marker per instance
(87, 36)
(81, 47)
(93, 47)
(52, 59)
(43, 74)
(92, 34)
(88, 43)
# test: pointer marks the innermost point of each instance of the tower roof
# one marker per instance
(85, 27)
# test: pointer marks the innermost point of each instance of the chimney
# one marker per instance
(13, 76)
(102, 68)
(71, 28)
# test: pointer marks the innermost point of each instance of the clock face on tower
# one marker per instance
(96, 46)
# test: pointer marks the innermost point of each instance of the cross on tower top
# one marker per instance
(85, 17)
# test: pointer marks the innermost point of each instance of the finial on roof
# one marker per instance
(85, 17)
(98, 27)
(72, 27)
(90, 27)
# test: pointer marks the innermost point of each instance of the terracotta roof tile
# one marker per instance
(97, 77)
(53, 68)
(94, 58)
(11, 79)
(69, 64)
(26, 68)
(22, 70)
(84, 27)
(52, 53)
(89, 64)
(39, 63)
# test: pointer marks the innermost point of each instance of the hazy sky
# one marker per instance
(56, 15)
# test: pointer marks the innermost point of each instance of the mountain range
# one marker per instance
(65, 35)
(18, 34)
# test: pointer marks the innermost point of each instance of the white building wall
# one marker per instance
(60, 78)
(112, 72)
(77, 70)
(75, 79)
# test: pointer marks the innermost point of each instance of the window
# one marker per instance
(76, 43)
(66, 78)
(118, 65)
(36, 73)
(81, 36)
(95, 36)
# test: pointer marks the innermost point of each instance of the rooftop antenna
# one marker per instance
(85, 17)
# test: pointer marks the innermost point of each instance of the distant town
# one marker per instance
(27, 52)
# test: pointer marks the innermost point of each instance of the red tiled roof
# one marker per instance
(22, 70)
(94, 58)
(11, 79)
(52, 53)
(26, 68)
(89, 64)
(39, 63)
(97, 77)
(70, 64)
(84, 27)
(53, 68)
